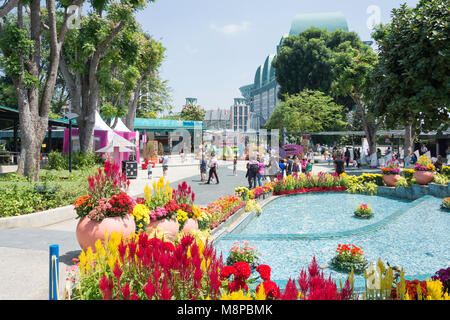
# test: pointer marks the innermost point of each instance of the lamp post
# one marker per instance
(69, 115)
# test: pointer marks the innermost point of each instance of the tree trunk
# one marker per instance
(132, 105)
(370, 127)
(410, 135)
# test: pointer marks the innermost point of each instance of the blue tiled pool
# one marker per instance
(292, 229)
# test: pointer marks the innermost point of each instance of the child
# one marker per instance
(149, 170)
(329, 159)
(308, 168)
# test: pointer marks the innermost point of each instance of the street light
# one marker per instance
(69, 115)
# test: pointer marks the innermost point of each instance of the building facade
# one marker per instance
(240, 114)
(217, 119)
(262, 94)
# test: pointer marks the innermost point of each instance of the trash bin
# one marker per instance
(130, 168)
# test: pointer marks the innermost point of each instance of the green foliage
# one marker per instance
(412, 80)
(307, 111)
(193, 113)
(15, 43)
(380, 282)
(80, 160)
(441, 179)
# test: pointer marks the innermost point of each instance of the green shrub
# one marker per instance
(80, 160)
(441, 179)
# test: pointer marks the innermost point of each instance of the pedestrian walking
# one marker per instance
(252, 172)
(203, 166)
(339, 164)
(235, 166)
(165, 164)
(213, 164)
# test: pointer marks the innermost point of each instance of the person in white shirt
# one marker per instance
(213, 163)
(165, 164)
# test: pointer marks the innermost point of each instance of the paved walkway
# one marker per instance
(25, 252)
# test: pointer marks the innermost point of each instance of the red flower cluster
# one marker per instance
(411, 289)
(160, 270)
(184, 194)
(241, 271)
(121, 205)
(314, 286)
(314, 189)
(271, 289)
(171, 207)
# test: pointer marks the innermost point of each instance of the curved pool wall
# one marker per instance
(413, 236)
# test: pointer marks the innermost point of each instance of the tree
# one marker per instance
(22, 47)
(150, 58)
(353, 65)
(307, 112)
(411, 84)
(335, 63)
(193, 113)
(154, 97)
(84, 53)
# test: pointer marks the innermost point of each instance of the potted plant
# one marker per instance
(164, 219)
(364, 211)
(391, 174)
(106, 207)
(349, 257)
(424, 170)
(243, 252)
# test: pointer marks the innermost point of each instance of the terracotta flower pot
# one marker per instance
(169, 227)
(391, 179)
(190, 225)
(88, 231)
(424, 177)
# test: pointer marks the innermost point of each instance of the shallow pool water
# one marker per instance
(412, 235)
(315, 213)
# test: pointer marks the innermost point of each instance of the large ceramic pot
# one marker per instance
(190, 225)
(169, 227)
(391, 179)
(89, 231)
(424, 177)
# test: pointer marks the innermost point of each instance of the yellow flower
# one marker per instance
(237, 295)
(435, 291)
(260, 294)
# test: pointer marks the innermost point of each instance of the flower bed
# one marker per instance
(310, 183)
(148, 264)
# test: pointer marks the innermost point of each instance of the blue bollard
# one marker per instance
(54, 272)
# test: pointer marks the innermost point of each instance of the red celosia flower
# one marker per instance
(264, 271)
(237, 285)
(125, 291)
(149, 289)
(290, 292)
(117, 272)
(270, 289)
(227, 271)
(243, 270)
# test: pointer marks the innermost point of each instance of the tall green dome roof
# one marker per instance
(330, 21)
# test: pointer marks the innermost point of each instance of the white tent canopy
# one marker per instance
(120, 126)
(100, 124)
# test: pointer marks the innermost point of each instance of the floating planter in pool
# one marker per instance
(349, 257)
(364, 211)
(445, 204)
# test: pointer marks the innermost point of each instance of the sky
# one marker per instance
(214, 47)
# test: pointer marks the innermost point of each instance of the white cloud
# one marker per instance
(231, 29)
